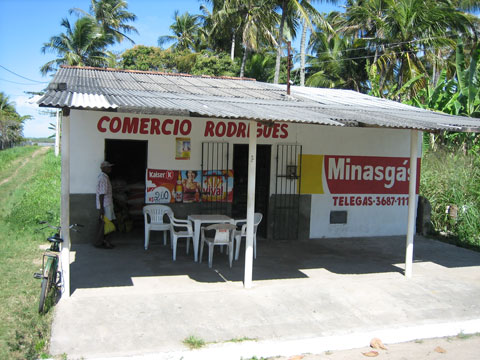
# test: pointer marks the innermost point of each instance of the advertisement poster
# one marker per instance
(160, 186)
(191, 187)
(182, 149)
(217, 186)
(185, 186)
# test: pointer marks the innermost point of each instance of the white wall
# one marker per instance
(87, 152)
(88, 145)
(375, 220)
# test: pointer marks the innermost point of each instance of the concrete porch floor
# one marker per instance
(307, 297)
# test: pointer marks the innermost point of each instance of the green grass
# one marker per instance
(8, 158)
(242, 339)
(453, 179)
(26, 197)
(462, 336)
(194, 342)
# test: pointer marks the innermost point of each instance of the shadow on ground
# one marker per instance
(94, 268)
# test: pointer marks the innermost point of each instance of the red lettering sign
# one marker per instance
(153, 126)
(368, 174)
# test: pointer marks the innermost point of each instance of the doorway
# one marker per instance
(129, 157)
(128, 179)
(262, 184)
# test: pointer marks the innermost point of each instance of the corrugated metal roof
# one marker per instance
(186, 95)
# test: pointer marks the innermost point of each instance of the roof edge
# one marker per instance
(157, 73)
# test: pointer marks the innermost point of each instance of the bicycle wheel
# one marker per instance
(43, 295)
(47, 283)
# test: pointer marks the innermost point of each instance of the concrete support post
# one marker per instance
(65, 206)
(57, 134)
(252, 162)
(411, 202)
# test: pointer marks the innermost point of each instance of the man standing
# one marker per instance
(104, 204)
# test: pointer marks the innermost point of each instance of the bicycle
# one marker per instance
(50, 275)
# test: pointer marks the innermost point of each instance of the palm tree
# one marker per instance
(250, 20)
(6, 106)
(257, 18)
(420, 26)
(81, 45)
(260, 66)
(404, 33)
(468, 5)
(112, 17)
(222, 25)
(293, 10)
(339, 62)
(186, 29)
(11, 123)
(321, 22)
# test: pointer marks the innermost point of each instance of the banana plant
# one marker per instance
(459, 95)
(468, 81)
(442, 97)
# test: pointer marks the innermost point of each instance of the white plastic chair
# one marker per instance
(223, 236)
(175, 233)
(239, 234)
(153, 215)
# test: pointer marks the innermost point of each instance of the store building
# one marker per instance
(329, 163)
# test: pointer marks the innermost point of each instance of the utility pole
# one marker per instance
(289, 65)
(57, 133)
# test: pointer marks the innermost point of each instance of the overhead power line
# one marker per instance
(18, 83)
(23, 77)
(393, 45)
(357, 57)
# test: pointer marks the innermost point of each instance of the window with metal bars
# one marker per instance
(286, 200)
(215, 174)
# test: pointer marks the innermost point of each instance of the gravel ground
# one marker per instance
(462, 347)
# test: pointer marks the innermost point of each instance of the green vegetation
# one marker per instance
(407, 43)
(453, 179)
(206, 62)
(30, 193)
(194, 342)
(9, 159)
(462, 336)
(85, 42)
(242, 339)
(11, 123)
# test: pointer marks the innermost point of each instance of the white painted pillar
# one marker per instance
(57, 134)
(252, 162)
(412, 203)
(65, 206)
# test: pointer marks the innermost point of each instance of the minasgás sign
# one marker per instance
(358, 180)
(368, 174)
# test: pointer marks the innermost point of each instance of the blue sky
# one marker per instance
(26, 24)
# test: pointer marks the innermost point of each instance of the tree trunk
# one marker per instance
(302, 52)
(244, 60)
(279, 43)
(232, 50)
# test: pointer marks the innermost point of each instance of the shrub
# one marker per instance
(453, 180)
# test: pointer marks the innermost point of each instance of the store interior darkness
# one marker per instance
(130, 159)
(262, 183)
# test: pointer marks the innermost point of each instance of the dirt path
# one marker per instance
(40, 151)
